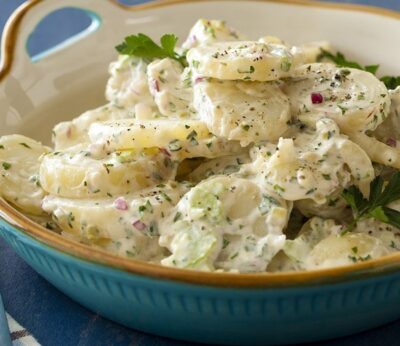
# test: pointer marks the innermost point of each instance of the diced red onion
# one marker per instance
(391, 142)
(165, 152)
(137, 93)
(316, 98)
(69, 132)
(198, 80)
(155, 85)
(121, 204)
(139, 225)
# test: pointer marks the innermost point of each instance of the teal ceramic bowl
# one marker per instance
(221, 308)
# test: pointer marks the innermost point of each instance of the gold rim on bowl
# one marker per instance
(374, 267)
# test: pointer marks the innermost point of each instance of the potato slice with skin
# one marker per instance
(355, 99)
(70, 133)
(227, 223)
(208, 31)
(133, 134)
(244, 60)
(127, 224)
(19, 172)
(243, 111)
(81, 172)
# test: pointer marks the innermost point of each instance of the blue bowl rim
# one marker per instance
(21, 225)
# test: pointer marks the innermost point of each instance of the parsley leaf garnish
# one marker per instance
(391, 82)
(143, 46)
(376, 206)
(340, 60)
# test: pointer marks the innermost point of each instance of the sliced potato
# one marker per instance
(207, 31)
(244, 60)
(315, 165)
(337, 250)
(78, 173)
(355, 99)
(19, 172)
(134, 134)
(312, 232)
(243, 111)
(70, 133)
(126, 224)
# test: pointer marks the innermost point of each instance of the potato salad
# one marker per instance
(223, 154)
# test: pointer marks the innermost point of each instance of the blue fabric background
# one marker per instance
(49, 315)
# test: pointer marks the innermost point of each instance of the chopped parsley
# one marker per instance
(175, 145)
(6, 165)
(286, 64)
(326, 176)
(192, 137)
(177, 216)
(250, 70)
(165, 196)
(391, 82)
(25, 145)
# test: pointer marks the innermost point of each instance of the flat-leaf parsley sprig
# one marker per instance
(340, 60)
(376, 206)
(391, 82)
(143, 46)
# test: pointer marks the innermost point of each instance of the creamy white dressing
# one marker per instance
(313, 165)
(242, 226)
(355, 99)
(127, 85)
(170, 86)
(127, 223)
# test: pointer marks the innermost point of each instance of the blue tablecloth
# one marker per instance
(53, 318)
